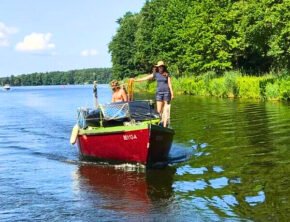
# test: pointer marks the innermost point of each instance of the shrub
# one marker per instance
(249, 87)
(201, 88)
(231, 83)
(272, 91)
(217, 88)
(206, 78)
(285, 88)
(263, 83)
(184, 85)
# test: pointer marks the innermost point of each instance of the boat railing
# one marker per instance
(115, 111)
(116, 114)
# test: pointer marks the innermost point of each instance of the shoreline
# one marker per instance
(230, 85)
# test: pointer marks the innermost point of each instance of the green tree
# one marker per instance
(195, 37)
(122, 47)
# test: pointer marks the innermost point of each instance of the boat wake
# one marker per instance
(179, 154)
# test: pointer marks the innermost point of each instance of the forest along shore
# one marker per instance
(215, 48)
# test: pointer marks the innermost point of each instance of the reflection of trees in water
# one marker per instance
(263, 173)
(242, 142)
(132, 192)
(257, 130)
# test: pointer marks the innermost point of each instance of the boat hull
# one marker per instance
(6, 88)
(148, 144)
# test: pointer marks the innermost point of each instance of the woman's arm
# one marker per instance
(170, 87)
(148, 77)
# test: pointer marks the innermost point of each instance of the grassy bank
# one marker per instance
(231, 85)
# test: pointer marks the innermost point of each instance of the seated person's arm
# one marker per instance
(113, 98)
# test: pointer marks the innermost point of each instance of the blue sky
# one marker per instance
(48, 35)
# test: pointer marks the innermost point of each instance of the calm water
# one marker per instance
(238, 167)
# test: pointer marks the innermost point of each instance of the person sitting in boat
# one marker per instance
(164, 92)
(119, 94)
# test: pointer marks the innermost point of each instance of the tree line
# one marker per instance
(81, 76)
(195, 37)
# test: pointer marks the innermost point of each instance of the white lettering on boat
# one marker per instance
(130, 137)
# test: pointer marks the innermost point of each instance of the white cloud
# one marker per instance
(89, 52)
(35, 42)
(5, 31)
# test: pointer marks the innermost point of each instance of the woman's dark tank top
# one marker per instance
(162, 82)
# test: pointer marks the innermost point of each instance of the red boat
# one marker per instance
(124, 133)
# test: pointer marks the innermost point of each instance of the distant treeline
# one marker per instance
(102, 75)
(195, 37)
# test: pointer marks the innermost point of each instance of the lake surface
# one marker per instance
(237, 169)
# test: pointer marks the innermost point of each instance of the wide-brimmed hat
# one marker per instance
(160, 63)
(115, 84)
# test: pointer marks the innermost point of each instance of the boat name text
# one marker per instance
(130, 137)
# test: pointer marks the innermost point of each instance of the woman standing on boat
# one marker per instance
(164, 92)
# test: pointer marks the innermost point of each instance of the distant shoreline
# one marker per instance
(80, 76)
(61, 85)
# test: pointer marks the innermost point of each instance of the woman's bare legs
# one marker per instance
(160, 105)
(161, 109)
(165, 115)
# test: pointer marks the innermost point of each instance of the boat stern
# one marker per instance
(160, 144)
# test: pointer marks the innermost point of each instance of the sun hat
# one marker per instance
(115, 84)
(160, 63)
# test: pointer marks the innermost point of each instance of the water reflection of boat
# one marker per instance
(139, 190)
(6, 87)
